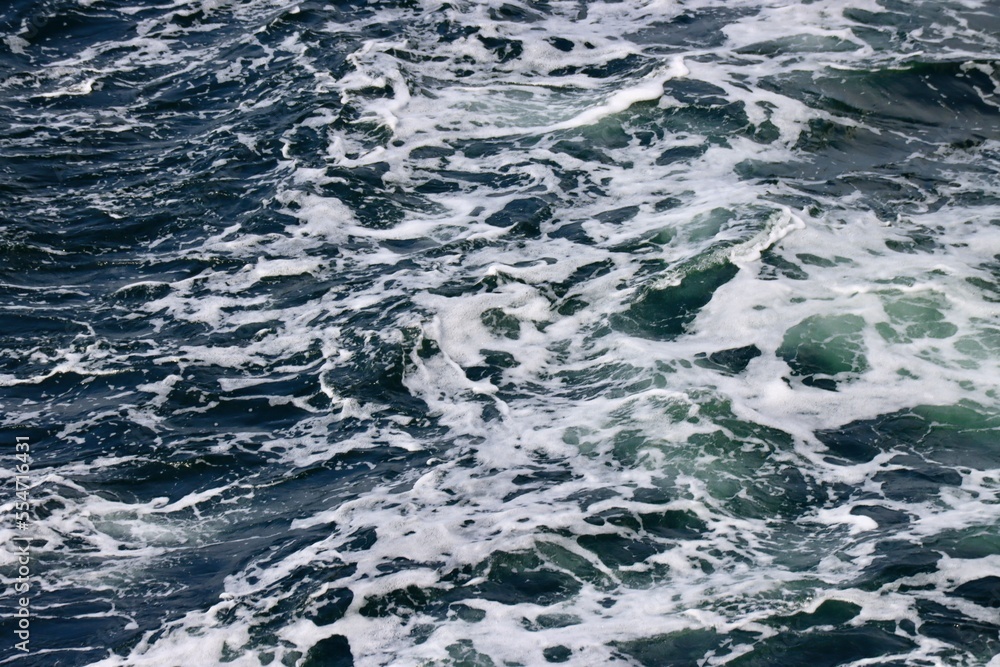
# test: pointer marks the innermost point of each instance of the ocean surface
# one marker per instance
(483, 334)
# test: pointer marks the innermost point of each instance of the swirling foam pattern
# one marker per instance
(649, 332)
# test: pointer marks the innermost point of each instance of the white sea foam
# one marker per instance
(543, 424)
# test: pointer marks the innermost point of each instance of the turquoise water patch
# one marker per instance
(964, 436)
(824, 346)
(915, 316)
(664, 313)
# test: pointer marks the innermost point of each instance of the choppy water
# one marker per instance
(496, 333)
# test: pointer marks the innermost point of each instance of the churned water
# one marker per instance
(405, 332)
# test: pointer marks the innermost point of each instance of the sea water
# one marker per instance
(649, 332)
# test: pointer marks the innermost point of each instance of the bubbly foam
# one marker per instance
(529, 333)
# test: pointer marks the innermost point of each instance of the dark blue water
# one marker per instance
(500, 333)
